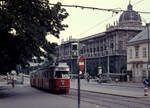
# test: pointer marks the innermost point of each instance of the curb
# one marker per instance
(100, 92)
(122, 85)
(119, 85)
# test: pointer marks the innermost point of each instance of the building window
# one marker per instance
(101, 48)
(120, 45)
(112, 46)
(136, 51)
(97, 49)
(130, 55)
(94, 50)
(87, 50)
(144, 52)
(91, 50)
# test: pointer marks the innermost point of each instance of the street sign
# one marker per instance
(148, 66)
(146, 82)
(81, 63)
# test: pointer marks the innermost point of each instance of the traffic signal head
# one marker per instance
(74, 49)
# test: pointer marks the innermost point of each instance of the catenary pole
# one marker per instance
(147, 25)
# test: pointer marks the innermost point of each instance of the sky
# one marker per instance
(84, 22)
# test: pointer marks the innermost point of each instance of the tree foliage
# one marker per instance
(24, 25)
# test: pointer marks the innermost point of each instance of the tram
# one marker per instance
(54, 78)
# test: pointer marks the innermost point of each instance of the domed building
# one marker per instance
(106, 51)
(130, 18)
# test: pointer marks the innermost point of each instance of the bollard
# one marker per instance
(146, 91)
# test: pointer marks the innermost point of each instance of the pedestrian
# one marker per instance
(88, 77)
(13, 83)
(13, 74)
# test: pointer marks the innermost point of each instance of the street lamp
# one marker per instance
(108, 66)
(148, 64)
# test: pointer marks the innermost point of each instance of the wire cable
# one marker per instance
(99, 23)
(95, 8)
(138, 2)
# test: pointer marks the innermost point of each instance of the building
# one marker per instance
(137, 59)
(107, 50)
(64, 52)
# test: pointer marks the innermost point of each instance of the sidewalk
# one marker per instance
(134, 90)
(4, 85)
(125, 84)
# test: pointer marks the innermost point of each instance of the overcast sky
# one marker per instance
(85, 22)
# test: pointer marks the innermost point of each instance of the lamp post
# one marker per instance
(85, 65)
(83, 46)
(108, 66)
(148, 64)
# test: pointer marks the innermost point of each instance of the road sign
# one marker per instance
(148, 66)
(81, 63)
(146, 82)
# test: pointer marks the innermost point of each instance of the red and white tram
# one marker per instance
(55, 78)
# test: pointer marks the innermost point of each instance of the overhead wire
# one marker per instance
(116, 11)
(143, 19)
(138, 2)
(99, 23)
(95, 8)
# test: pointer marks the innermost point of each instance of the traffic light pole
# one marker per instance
(80, 62)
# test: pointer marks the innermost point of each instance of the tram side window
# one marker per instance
(36, 76)
(45, 74)
(39, 74)
(51, 72)
(58, 74)
(42, 74)
(48, 73)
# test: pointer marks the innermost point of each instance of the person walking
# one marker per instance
(13, 74)
(88, 77)
(13, 83)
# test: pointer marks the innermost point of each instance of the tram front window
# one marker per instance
(61, 74)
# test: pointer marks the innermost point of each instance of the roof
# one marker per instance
(141, 36)
(92, 36)
(130, 17)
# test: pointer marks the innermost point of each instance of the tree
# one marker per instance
(24, 25)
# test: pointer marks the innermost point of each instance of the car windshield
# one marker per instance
(61, 74)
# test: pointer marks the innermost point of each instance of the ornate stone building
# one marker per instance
(138, 49)
(105, 48)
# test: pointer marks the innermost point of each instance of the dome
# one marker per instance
(130, 17)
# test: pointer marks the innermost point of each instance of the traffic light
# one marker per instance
(74, 49)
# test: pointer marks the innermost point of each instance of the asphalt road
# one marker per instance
(27, 97)
(111, 101)
(23, 96)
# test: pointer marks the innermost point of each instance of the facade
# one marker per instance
(64, 52)
(106, 50)
(137, 59)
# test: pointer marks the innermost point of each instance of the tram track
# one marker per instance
(109, 101)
